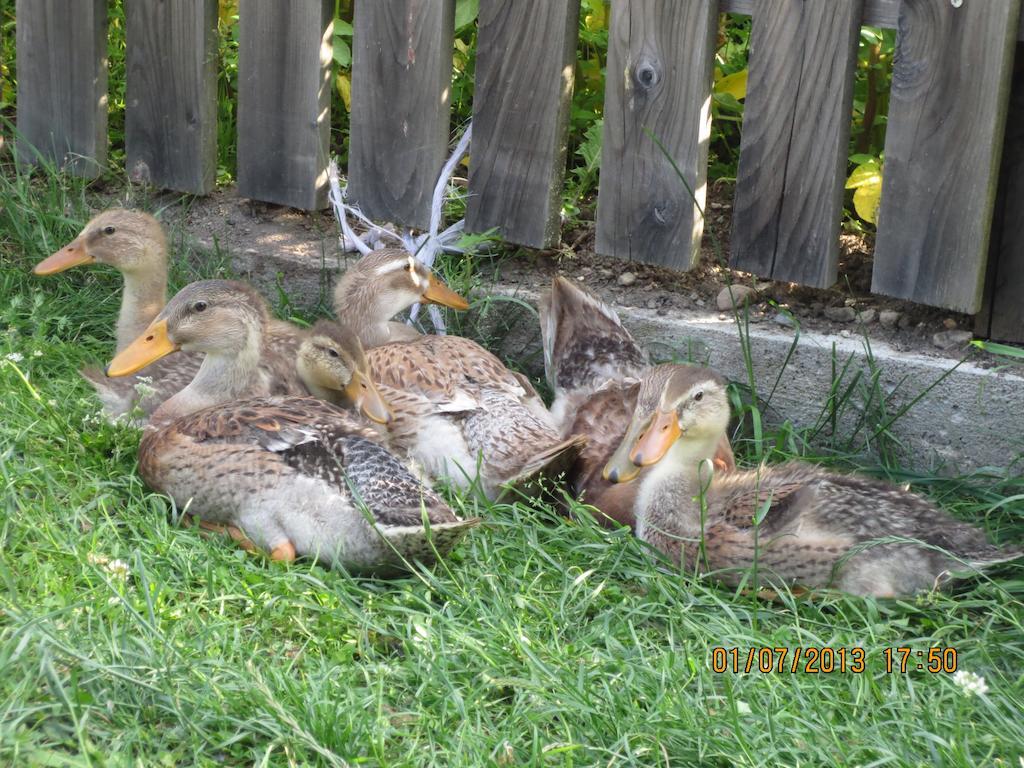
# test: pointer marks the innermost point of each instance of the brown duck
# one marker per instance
(816, 529)
(133, 242)
(460, 413)
(594, 367)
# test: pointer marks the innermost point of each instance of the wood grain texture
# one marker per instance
(877, 13)
(284, 101)
(526, 54)
(660, 58)
(950, 90)
(62, 83)
(171, 98)
(401, 84)
(1002, 315)
(796, 131)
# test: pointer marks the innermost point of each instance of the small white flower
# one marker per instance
(52, 403)
(113, 601)
(37, 353)
(118, 568)
(15, 357)
(93, 559)
(970, 683)
(742, 708)
(144, 386)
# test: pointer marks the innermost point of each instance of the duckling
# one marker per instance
(817, 529)
(594, 367)
(133, 242)
(451, 420)
(294, 476)
(461, 402)
(245, 354)
(382, 284)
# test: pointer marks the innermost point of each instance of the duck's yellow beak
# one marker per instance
(71, 255)
(645, 443)
(153, 344)
(439, 293)
(364, 396)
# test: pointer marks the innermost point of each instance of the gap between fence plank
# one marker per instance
(171, 94)
(942, 150)
(526, 54)
(796, 131)
(62, 83)
(1002, 316)
(284, 101)
(401, 92)
(660, 58)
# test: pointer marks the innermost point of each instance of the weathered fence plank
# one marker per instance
(796, 131)
(942, 150)
(62, 82)
(401, 85)
(658, 86)
(1002, 316)
(284, 101)
(526, 53)
(877, 13)
(171, 98)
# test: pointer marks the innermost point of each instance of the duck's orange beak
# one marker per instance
(71, 255)
(646, 443)
(439, 293)
(365, 396)
(654, 442)
(153, 344)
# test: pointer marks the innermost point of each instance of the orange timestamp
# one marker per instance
(825, 660)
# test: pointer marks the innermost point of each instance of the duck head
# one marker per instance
(130, 241)
(676, 403)
(219, 317)
(333, 366)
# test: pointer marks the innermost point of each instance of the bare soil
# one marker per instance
(240, 226)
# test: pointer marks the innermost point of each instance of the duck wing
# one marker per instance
(585, 344)
(314, 439)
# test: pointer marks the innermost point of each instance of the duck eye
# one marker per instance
(108, 230)
(199, 306)
(698, 397)
(408, 267)
(332, 352)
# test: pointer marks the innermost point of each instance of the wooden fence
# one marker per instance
(951, 227)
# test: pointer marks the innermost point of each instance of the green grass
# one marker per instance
(540, 642)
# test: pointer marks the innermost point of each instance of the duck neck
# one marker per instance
(670, 500)
(223, 377)
(145, 294)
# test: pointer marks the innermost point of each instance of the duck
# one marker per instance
(381, 284)
(134, 243)
(227, 323)
(290, 475)
(461, 414)
(594, 367)
(817, 529)
(456, 426)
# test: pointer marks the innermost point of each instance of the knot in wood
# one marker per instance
(647, 73)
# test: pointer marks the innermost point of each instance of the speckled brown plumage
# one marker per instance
(816, 528)
(303, 471)
(497, 413)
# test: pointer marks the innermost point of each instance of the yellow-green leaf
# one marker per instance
(344, 86)
(735, 85)
(865, 174)
(866, 201)
(597, 19)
